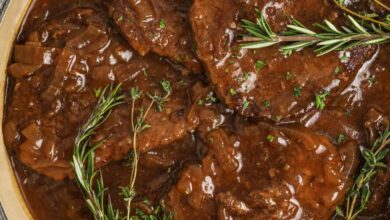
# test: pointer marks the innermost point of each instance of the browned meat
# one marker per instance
(335, 124)
(268, 92)
(157, 26)
(262, 172)
(61, 98)
(202, 158)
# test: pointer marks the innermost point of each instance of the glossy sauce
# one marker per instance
(200, 157)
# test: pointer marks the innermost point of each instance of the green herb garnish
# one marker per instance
(267, 103)
(270, 138)
(297, 91)
(245, 104)
(233, 91)
(320, 100)
(260, 65)
(138, 125)
(360, 193)
(163, 24)
(88, 178)
(330, 38)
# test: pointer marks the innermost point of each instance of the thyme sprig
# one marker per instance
(297, 36)
(89, 179)
(360, 193)
(139, 125)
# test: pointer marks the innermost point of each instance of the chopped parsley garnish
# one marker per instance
(320, 100)
(340, 138)
(208, 100)
(163, 24)
(245, 104)
(270, 138)
(336, 70)
(344, 58)
(245, 76)
(233, 91)
(297, 91)
(259, 65)
(120, 18)
(372, 80)
(267, 103)
(145, 72)
(211, 98)
(277, 118)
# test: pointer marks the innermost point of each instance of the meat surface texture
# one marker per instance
(158, 26)
(262, 172)
(70, 63)
(285, 86)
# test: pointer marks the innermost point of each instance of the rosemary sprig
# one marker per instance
(360, 193)
(138, 126)
(297, 36)
(84, 155)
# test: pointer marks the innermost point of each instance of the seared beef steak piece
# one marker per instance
(158, 26)
(53, 99)
(285, 86)
(263, 172)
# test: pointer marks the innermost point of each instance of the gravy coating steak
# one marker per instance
(72, 56)
(158, 26)
(285, 86)
(262, 172)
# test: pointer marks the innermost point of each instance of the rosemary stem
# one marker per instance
(382, 5)
(281, 39)
(359, 15)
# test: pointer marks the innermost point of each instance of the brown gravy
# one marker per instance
(201, 158)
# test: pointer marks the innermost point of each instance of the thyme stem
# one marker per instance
(138, 126)
(134, 171)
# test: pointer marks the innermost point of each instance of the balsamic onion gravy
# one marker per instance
(225, 132)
